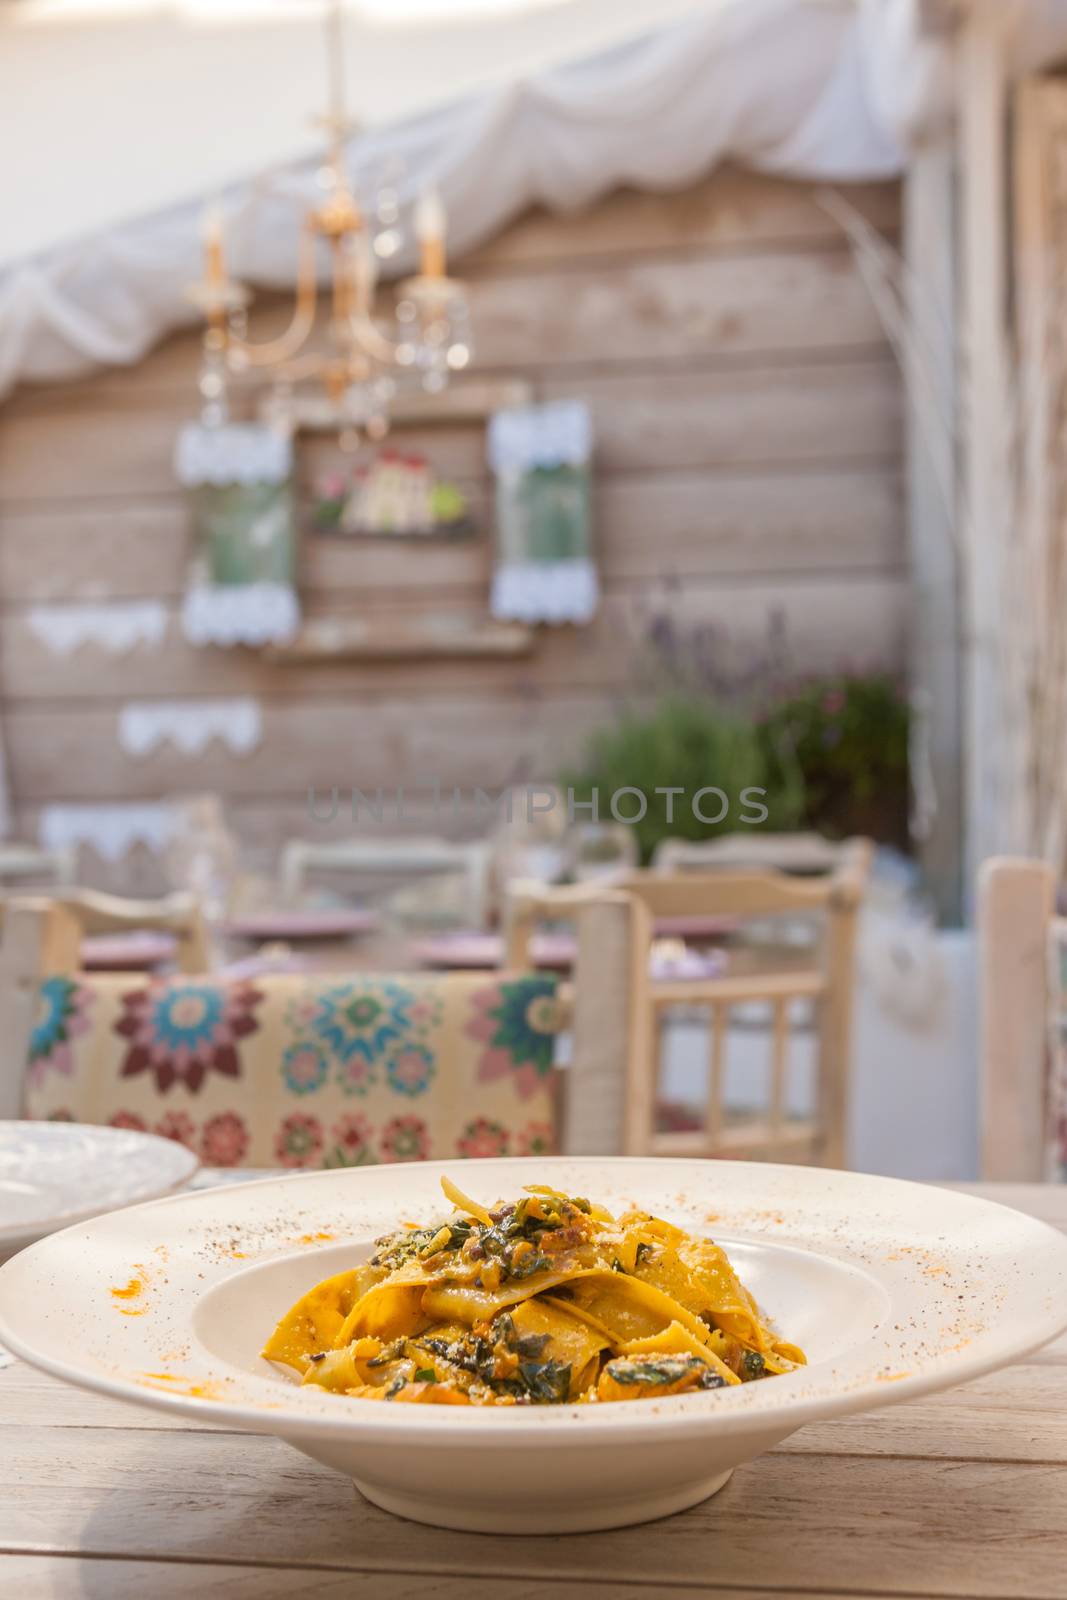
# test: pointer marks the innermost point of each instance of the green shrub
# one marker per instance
(691, 744)
(849, 735)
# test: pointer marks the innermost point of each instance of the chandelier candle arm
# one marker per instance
(430, 229)
(290, 343)
(214, 254)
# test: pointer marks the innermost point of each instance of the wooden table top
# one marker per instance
(291, 927)
(127, 952)
(956, 1495)
(552, 951)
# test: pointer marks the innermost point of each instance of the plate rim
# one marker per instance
(11, 1234)
(361, 1421)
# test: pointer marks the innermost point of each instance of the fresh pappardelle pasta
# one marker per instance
(538, 1301)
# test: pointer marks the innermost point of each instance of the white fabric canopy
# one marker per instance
(824, 89)
(130, 106)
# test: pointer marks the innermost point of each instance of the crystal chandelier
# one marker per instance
(363, 359)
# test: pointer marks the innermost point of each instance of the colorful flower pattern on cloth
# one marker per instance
(179, 1126)
(180, 1029)
(63, 1015)
(349, 1033)
(411, 1069)
(482, 1138)
(350, 1142)
(362, 1020)
(128, 1119)
(224, 1140)
(517, 1021)
(299, 1141)
(405, 1139)
(537, 1139)
(303, 1070)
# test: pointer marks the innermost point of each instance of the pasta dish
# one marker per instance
(542, 1300)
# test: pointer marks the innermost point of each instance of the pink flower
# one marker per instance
(537, 1139)
(411, 1070)
(62, 1017)
(356, 1075)
(351, 1135)
(224, 1140)
(129, 1119)
(179, 1127)
(180, 1029)
(302, 1013)
(516, 1020)
(483, 1138)
(405, 1139)
(299, 1140)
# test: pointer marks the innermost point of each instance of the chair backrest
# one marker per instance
(609, 1002)
(373, 861)
(822, 979)
(24, 866)
(42, 938)
(1022, 1019)
(753, 891)
(748, 849)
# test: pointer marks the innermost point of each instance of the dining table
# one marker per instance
(301, 925)
(137, 951)
(961, 1494)
(462, 951)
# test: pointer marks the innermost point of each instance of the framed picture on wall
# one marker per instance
(390, 493)
(414, 483)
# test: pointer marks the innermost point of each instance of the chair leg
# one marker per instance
(642, 1048)
(835, 1033)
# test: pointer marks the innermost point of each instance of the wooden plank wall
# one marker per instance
(748, 436)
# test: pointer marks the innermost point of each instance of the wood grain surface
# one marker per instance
(747, 414)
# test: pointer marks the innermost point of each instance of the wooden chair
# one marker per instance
(24, 867)
(42, 938)
(479, 1013)
(1021, 947)
(825, 981)
(373, 862)
(783, 852)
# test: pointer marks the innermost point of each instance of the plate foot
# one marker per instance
(472, 1517)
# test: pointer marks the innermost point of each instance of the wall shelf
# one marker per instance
(331, 639)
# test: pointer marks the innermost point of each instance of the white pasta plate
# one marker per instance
(55, 1173)
(892, 1289)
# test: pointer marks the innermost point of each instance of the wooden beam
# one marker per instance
(6, 822)
(434, 637)
(934, 610)
(1017, 900)
(984, 233)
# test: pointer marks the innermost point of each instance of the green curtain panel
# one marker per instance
(239, 479)
(541, 460)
